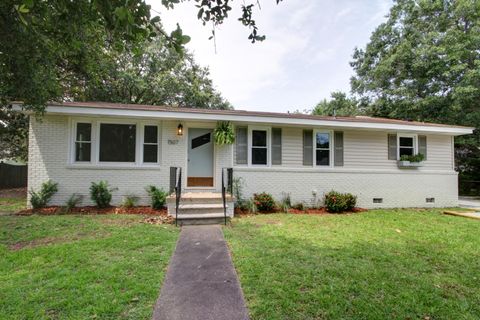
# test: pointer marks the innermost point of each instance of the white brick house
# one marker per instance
(132, 146)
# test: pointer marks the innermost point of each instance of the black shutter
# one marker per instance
(308, 147)
(392, 147)
(276, 146)
(241, 146)
(338, 145)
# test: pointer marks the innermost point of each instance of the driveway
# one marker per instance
(469, 202)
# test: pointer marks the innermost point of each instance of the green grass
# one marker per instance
(81, 267)
(12, 204)
(382, 264)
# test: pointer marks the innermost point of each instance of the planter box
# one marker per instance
(408, 164)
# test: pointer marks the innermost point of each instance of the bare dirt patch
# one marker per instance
(13, 193)
(55, 240)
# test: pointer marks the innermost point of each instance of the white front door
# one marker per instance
(200, 158)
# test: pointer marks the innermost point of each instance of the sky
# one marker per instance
(304, 58)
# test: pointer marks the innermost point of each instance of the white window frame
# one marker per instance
(330, 148)
(95, 143)
(250, 145)
(143, 125)
(407, 135)
(75, 141)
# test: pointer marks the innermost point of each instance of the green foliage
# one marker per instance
(158, 196)
(237, 185)
(250, 206)
(40, 199)
(423, 64)
(419, 157)
(338, 105)
(130, 201)
(264, 202)
(13, 134)
(101, 193)
(339, 202)
(299, 206)
(285, 203)
(224, 133)
(72, 202)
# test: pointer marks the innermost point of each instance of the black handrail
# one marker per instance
(230, 189)
(178, 192)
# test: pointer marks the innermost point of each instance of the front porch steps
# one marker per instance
(200, 208)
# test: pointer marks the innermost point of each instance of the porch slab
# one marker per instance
(201, 282)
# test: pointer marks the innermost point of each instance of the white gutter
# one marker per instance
(108, 112)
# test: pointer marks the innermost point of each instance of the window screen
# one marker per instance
(322, 149)
(259, 147)
(150, 144)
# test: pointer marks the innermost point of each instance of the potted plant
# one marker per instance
(224, 133)
(411, 160)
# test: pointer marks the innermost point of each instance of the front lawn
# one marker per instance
(82, 267)
(381, 264)
(10, 205)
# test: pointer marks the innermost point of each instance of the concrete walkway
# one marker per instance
(201, 282)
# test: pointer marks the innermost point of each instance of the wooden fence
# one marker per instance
(12, 176)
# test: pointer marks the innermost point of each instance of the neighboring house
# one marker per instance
(132, 146)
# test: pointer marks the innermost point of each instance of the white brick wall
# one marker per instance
(406, 189)
(49, 159)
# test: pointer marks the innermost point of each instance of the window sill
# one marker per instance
(409, 164)
(113, 167)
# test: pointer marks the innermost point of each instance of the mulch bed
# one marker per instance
(242, 213)
(90, 210)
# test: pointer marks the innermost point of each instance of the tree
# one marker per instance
(153, 74)
(14, 135)
(339, 105)
(45, 44)
(423, 64)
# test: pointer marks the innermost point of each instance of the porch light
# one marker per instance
(180, 129)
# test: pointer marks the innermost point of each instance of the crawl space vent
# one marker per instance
(430, 200)
(377, 200)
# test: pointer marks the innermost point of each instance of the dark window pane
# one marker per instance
(259, 138)
(259, 156)
(323, 157)
(84, 131)
(200, 141)
(406, 142)
(151, 135)
(150, 152)
(82, 151)
(323, 140)
(117, 142)
(406, 151)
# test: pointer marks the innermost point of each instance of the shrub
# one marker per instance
(339, 202)
(72, 202)
(298, 206)
(41, 198)
(249, 205)
(159, 197)
(237, 186)
(130, 201)
(286, 203)
(264, 201)
(101, 193)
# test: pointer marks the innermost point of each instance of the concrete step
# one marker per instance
(201, 206)
(200, 219)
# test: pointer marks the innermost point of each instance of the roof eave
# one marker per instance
(88, 111)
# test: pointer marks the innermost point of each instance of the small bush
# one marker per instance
(264, 201)
(101, 193)
(159, 197)
(298, 206)
(130, 201)
(72, 202)
(286, 203)
(339, 202)
(40, 199)
(250, 206)
(415, 158)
